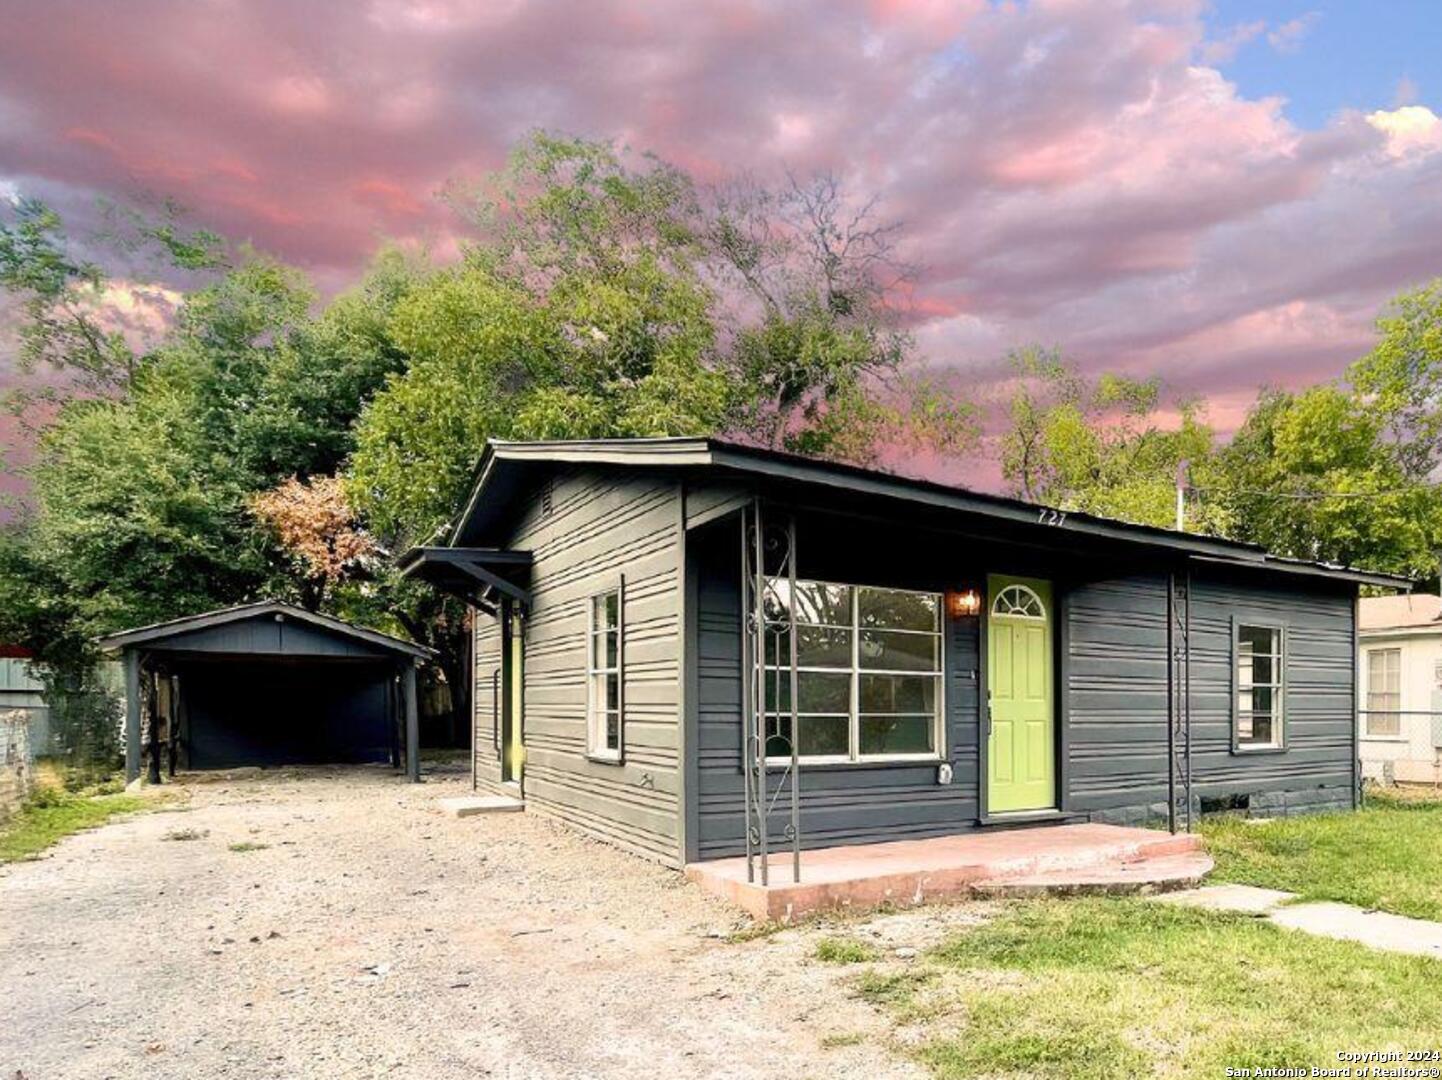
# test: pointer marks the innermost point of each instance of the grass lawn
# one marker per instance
(1387, 855)
(53, 813)
(1124, 987)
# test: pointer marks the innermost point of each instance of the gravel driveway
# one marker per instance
(373, 936)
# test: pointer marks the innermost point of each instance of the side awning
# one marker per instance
(479, 576)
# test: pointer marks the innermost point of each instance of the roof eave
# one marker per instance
(686, 451)
(140, 635)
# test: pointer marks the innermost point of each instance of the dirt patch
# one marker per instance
(363, 933)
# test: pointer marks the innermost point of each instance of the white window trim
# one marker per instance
(1025, 590)
(1278, 742)
(596, 747)
(854, 756)
(1368, 712)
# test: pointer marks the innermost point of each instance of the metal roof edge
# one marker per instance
(788, 466)
(141, 634)
(1282, 565)
(740, 457)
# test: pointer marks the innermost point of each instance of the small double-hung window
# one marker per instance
(605, 689)
(1384, 693)
(1257, 710)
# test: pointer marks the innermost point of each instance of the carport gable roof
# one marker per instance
(159, 634)
(502, 472)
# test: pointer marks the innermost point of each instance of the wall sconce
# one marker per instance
(963, 603)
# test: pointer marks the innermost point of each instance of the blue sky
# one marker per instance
(1346, 54)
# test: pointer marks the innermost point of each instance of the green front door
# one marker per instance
(1021, 749)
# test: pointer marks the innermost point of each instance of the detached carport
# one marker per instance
(266, 684)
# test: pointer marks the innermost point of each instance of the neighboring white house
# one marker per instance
(1399, 661)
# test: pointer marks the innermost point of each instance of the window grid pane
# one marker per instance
(1384, 692)
(603, 683)
(868, 671)
(1259, 686)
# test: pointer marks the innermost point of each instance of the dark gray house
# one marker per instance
(656, 617)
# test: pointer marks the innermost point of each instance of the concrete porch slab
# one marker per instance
(908, 872)
(1144, 876)
(471, 805)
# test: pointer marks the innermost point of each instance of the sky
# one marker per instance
(1219, 194)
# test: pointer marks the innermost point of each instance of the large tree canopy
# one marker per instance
(605, 297)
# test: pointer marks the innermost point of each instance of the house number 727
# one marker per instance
(1051, 517)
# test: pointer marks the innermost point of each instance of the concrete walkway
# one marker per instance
(1375, 929)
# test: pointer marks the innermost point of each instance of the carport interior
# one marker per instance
(235, 711)
(266, 684)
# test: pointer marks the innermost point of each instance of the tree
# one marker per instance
(1345, 471)
(1401, 379)
(823, 369)
(142, 496)
(314, 523)
(1096, 445)
(1313, 475)
(64, 324)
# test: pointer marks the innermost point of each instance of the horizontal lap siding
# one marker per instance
(1116, 692)
(848, 805)
(599, 527)
(1318, 705)
(1115, 672)
(486, 740)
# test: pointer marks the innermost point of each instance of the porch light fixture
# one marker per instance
(963, 603)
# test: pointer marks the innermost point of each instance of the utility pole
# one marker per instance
(1181, 496)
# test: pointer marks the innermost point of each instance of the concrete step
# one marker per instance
(471, 805)
(1151, 874)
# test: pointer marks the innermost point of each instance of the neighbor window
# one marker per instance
(868, 672)
(1259, 687)
(604, 675)
(1384, 692)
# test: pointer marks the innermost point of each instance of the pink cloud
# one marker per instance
(1067, 172)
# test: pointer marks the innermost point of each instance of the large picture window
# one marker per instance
(1384, 692)
(1258, 717)
(868, 672)
(604, 679)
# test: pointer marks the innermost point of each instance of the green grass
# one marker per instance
(53, 814)
(248, 845)
(1387, 855)
(1123, 987)
(838, 950)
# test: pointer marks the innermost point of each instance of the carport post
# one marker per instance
(413, 734)
(131, 661)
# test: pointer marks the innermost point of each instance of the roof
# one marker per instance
(738, 459)
(1413, 611)
(157, 632)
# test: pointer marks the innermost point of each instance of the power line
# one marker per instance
(1305, 495)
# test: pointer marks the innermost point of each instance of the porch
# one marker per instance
(1055, 858)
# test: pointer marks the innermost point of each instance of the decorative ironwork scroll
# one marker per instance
(768, 716)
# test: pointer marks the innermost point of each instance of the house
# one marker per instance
(1400, 673)
(659, 615)
(266, 683)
